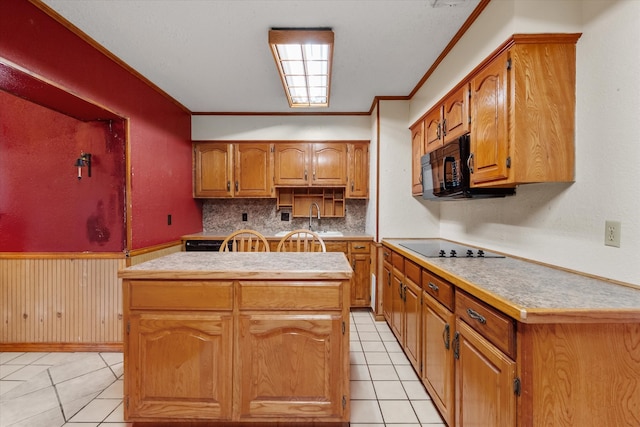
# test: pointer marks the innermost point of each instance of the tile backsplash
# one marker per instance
(225, 215)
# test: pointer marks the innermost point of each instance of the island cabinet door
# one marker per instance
(179, 366)
(292, 366)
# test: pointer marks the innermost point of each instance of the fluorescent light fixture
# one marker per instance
(303, 57)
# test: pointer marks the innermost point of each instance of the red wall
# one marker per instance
(159, 129)
(44, 207)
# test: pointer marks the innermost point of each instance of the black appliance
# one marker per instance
(203, 245)
(440, 249)
(446, 175)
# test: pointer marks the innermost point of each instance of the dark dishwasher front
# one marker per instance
(202, 245)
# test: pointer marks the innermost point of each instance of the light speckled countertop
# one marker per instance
(243, 265)
(531, 292)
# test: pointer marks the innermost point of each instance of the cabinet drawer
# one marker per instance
(290, 295)
(489, 322)
(438, 288)
(180, 295)
(360, 247)
(412, 271)
(336, 246)
(386, 254)
(397, 260)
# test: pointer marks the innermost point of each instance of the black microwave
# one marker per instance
(445, 174)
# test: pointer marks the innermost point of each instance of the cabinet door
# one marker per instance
(437, 355)
(213, 170)
(291, 164)
(165, 381)
(484, 381)
(291, 365)
(253, 170)
(329, 164)
(412, 311)
(361, 280)
(489, 136)
(455, 111)
(433, 130)
(387, 292)
(417, 150)
(397, 304)
(358, 173)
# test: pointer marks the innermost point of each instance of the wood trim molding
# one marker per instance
(75, 30)
(62, 255)
(62, 347)
(149, 249)
(467, 24)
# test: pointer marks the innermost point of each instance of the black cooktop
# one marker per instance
(439, 249)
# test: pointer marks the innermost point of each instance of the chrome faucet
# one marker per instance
(311, 213)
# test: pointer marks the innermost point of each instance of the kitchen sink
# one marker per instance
(325, 233)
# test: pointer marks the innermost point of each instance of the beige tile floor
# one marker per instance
(85, 389)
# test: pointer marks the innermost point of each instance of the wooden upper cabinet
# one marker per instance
(291, 164)
(448, 120)
(253, 170)
(358, 170)
(433, 130)
(321, 164)
(232, 170)
(417, 151)
(489, 143)
(213, 169)
(329, 164)
(455, 114)
(523, 112)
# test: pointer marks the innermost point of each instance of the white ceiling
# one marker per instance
(213, 55)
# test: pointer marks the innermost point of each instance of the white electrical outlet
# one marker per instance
(612, 233)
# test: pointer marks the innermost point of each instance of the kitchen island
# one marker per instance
(237, 338)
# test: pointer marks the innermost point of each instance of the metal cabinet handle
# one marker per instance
(456, 345)
(305, 175)
(236, 185)
(433, 287)
(476, 316)
(351, 185)
(438, 130)
(445, 336)
(389, 278)
(470, 163)
(444, 127)
(228, 185)
(359, 247)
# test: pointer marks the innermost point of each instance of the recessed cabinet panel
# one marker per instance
(253, 170)
(292, 164)
(329, 164)
(165, 383)
(417, 150)
(213, 170)
(489, 143)
(484, 382)
(358, 171)
(307, 367)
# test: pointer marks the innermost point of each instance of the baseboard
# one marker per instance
(62, 347)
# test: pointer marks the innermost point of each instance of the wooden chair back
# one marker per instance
(245, 241)
(301, 241)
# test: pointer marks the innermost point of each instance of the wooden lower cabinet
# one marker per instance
(484, 381)
(167, 381)
(291, 381)
(438, 327)
(412, 313)
(387, 285)
(237, 351)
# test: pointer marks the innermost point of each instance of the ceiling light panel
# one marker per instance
(303, 59)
